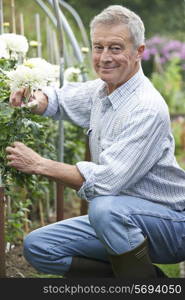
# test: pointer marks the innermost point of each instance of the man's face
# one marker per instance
(115, 59)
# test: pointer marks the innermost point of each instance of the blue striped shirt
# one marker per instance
(130, 138)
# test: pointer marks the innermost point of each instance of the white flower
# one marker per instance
(36, 62)
(34, 44)
(34, 73)
(15, 43)
(50, 71)
(3, 51)
(72, 74)
(85, 50)
(26, 77)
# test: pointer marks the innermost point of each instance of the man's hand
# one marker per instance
(23, 158)
(28, 161)
(38, 100)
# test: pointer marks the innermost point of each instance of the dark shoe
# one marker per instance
(160, 273)
(135, 263)
(83, 267)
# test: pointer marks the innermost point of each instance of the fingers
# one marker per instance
(15, 144)
(16, 98)
(11, 160)
(38, 101)
(27, 93)
(12, 152)
(10, 157)
(12, 148)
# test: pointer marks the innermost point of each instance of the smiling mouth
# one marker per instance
(107, 68)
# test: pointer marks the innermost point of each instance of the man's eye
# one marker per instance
(98, 48)
(115, 49)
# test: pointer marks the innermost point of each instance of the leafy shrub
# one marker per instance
(161, 50)
(170, 84)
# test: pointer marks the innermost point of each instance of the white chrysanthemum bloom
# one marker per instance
(72, 74)
(56, 76)
(85, 50)
(49, 70)
(15, 43)
(36, 62)
(33, 44)
(3, 51)
(24, 76)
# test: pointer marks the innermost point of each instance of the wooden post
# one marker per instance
(48, 41)
(41, 213)
(13, 16)
(52, 46)
(1, 16)
(84, 203)
(2, 235)
(21, 24)
(60, 186)
(47, 209)
(60, 201)
(26, 226)
(39, 48)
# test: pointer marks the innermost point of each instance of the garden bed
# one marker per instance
(17, 266)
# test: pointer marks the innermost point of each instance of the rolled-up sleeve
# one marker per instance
(73, 101)
(128, 158)
(53, 107)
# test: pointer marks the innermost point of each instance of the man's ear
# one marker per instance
(140, 51)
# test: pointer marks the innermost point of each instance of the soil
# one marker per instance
(17, 266)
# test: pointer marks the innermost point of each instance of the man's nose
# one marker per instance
(106, 55)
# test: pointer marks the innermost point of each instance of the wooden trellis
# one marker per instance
(2, 235)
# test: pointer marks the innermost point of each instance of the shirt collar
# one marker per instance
(121, 94)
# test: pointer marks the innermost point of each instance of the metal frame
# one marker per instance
(78, 21)
(66, 27)
(60, 22)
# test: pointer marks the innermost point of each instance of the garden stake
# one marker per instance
(1, 16)
(60, 154)
(13, 16)
(60, 201)
(2, 235)
(39, 47)
(21, 20)
(84, 205)
(41, 213)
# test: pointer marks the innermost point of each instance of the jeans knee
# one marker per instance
(29, 246)
(35, 250)
(39, 251)
(100, 213)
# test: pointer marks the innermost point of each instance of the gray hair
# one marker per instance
(117, 14)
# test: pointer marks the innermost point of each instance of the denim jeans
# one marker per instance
(114, 225)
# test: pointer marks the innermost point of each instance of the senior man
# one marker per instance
(134, 187)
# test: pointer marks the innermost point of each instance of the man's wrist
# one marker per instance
(42, 104)
(41, 168)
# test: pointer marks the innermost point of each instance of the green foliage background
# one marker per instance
(157, 16)
(155, 13)
(158, 19)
